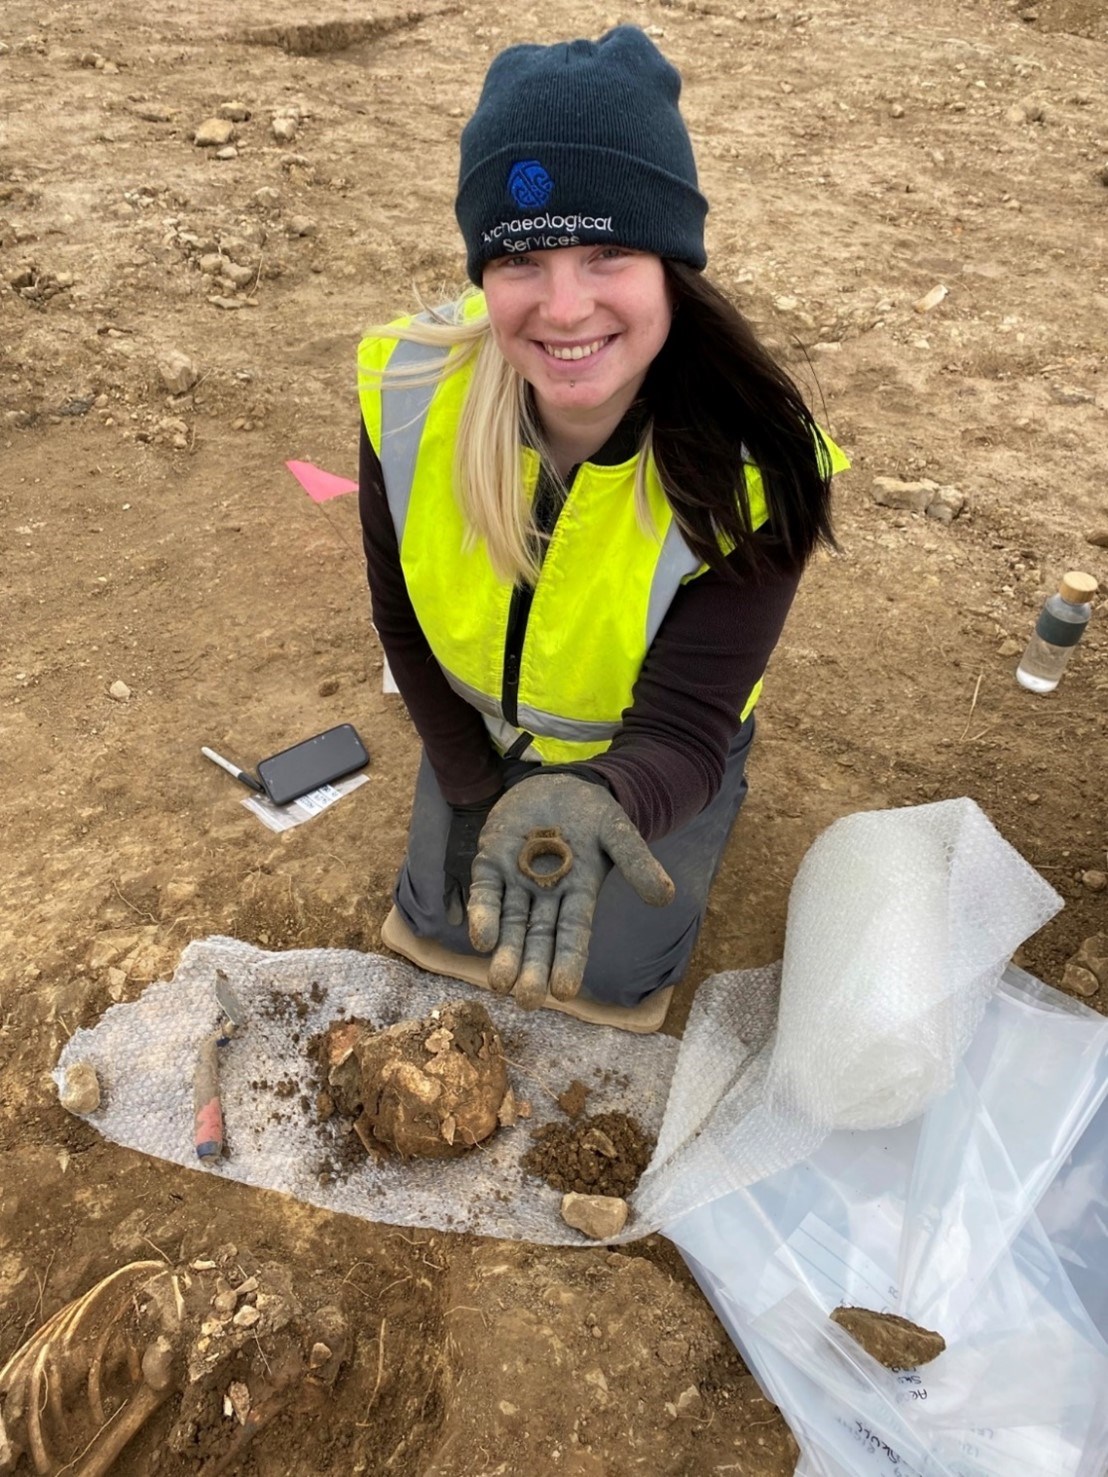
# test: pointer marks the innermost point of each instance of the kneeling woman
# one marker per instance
(587, 496)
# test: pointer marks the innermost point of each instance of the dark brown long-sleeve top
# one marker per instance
(667, 760)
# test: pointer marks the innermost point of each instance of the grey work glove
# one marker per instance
(466, 824)
(540, 929)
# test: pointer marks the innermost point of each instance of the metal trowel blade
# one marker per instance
(230, 1003)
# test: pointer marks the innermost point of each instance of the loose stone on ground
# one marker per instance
(213, 133)
(178, 372)
(1087, 971)
(597, 1216)
(939, 502)
(80, 1092)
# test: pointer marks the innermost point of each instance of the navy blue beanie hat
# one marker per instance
(578, 144)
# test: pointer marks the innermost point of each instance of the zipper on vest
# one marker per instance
(548, 505)
(518, 612)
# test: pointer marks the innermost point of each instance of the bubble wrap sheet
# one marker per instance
(144, 1054)
(900, 926)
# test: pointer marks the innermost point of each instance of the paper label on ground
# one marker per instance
(284, 817)
(830, 1268)
(1019, 1451)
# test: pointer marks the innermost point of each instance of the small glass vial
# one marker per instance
(1060, 626)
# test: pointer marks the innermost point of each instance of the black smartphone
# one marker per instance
(317, 761)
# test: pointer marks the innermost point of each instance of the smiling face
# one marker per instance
(582, 325)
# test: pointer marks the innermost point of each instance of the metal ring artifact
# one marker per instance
(545, 841)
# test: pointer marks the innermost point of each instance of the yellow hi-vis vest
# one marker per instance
(602, 593)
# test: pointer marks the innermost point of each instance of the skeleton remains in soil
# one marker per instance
(238, 1349)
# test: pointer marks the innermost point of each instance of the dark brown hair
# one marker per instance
(717, 398)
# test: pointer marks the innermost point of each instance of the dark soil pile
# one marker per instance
(603, 1155)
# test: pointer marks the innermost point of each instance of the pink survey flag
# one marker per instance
(320, 486)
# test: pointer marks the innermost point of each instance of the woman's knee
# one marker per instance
(624, 970)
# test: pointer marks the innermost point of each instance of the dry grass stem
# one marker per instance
(157, 1248)
(261, 1351)
(534, 1076)
(973, 704)
(42, 1281)
(134, 907)
(380, 1372)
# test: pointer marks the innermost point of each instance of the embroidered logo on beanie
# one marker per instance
(529, 184)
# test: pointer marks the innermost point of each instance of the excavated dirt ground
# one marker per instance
(856, 156)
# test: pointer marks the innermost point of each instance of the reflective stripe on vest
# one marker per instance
(403, 416)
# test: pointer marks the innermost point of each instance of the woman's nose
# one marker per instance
(567, 299)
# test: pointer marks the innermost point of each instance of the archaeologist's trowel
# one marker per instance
(207, 1107)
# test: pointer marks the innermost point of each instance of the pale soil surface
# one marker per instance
(856, 156)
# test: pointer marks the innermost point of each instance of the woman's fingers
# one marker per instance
(572, 951)
(505, 963)
(486, 894)
(538, 952)
(635, 860)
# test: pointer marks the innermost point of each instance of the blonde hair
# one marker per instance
(497, 420)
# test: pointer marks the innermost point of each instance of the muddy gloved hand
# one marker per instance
(466, 822)
(545, 850)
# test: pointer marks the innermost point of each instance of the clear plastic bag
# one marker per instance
(937, 1221)
(900, 926)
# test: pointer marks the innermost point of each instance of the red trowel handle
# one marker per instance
(207, 1108)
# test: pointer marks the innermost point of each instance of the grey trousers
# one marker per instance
(635, 949)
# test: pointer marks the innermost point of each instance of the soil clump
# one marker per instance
(426, 1089)
(572, 1101)
(893, 1341)
(602, 1155)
